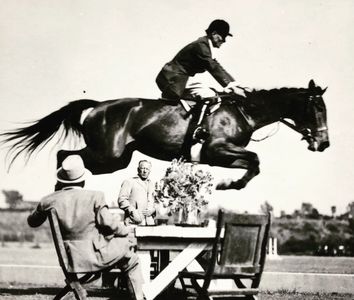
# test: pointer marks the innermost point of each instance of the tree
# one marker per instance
(12, 198)
(314, 214)
(333, 210)
(266, 208)
(306, 209)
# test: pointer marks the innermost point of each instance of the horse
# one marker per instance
(114, 129)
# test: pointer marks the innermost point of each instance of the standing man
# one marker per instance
(136, 197)
(137, 201)
(94, 239)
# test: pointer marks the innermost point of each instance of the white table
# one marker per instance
(191, 241)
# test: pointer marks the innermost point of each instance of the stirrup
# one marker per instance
(200, 134)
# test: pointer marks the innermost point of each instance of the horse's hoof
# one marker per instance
(238, 185)
(221, 186)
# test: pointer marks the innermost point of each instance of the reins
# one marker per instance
(305, 134)
(292, 126)
(270, 134)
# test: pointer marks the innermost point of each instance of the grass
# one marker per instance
(312, 264)
(26, 292)
(13, 253)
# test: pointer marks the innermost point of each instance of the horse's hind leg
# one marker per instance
(98, 163)
(230, 156)
(62, 154)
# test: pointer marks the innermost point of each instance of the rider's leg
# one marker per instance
(199, 93)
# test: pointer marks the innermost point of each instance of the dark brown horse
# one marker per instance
(116, 128)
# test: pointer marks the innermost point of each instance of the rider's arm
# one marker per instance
(212, 65)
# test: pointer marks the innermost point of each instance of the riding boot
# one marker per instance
(200, 134)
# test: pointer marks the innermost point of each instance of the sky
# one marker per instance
(53, 52)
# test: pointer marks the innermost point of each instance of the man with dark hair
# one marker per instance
(194, 58)
(197, 57)
(94, 239)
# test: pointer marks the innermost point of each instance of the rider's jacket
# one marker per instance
(194, 58)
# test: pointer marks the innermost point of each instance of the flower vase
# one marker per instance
(187, 216)
(191, 217)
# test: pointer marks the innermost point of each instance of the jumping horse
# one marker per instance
(114, 129)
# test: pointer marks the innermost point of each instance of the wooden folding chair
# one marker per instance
(73, 281)
(238, 255)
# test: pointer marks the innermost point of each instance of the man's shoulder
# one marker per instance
(200, 42)
(131, 179)
(62, 195)
(202, 45)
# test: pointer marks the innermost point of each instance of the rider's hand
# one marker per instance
(233, 88)
(202, 92)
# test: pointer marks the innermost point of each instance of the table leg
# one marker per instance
(164, 259)
(170, 273)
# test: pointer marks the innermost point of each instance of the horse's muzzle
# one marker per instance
(323, 146)
(318, 144)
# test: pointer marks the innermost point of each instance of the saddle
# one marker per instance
(196, 134)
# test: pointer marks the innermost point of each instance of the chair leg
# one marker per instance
(203, 297)
(202, 293)
(239, 283)
(62, 292)
(79, 292)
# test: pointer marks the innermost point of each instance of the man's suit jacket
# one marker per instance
(137, 195)
(94, 239)
(194, 58)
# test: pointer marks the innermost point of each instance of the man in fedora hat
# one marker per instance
(197, 57)
(93, 237)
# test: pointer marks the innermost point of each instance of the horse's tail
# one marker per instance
(27, 139)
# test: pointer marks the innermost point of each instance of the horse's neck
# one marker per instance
(267, 107)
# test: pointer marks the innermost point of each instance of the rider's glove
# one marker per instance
(233, 88)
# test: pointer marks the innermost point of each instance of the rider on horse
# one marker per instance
(197, 57)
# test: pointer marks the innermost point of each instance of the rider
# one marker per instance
(197, 57)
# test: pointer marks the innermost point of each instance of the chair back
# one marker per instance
(243, 247)
(58, 240)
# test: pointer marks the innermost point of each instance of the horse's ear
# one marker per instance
(312, 84)
(323, 91)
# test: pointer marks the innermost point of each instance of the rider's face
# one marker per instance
(144, 170)
(217, 40)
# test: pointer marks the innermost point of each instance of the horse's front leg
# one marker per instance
(228, 155)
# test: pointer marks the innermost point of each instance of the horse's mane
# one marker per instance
(262, 97)
(276, 92)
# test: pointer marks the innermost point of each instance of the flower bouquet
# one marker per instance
(183, 190)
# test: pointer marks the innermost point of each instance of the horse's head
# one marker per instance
(313, 122)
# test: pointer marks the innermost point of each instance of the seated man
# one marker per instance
(93, 237)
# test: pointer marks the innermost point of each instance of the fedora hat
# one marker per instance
(72, 170)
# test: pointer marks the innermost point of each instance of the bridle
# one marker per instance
(307, 133)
